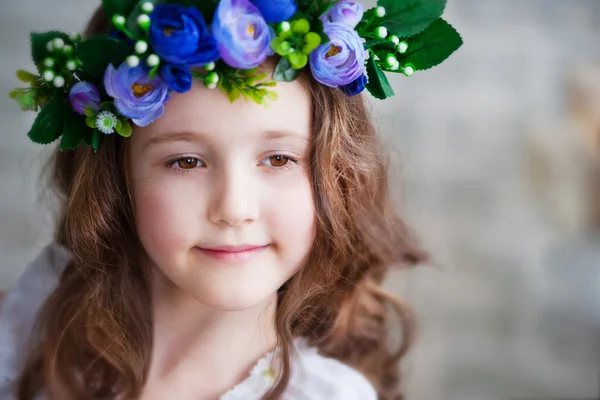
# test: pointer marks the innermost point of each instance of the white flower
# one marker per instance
(106, 122)
(394, 39)
(380, 11)
(409, 70)
(49, 62)
(210, 66)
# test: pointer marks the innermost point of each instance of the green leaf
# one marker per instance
(121, 7)
(284, 72)
(408, 17)
(74, 132)
(39, 41)
(132, 24)
(26, 77)
(96, 140)
(91, 122)
(90, 112)
(378, 84)
(379, 44)
(432, 46)
(233, 94)
(48, 125)
(97, 52)
(124, 129)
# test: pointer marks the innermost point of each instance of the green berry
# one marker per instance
(297, 59)
(300, 26)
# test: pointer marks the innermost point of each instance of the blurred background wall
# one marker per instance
(497, 157)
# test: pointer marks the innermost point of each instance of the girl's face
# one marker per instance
(223, 202)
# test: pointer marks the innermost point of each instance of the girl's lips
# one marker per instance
(233, 253)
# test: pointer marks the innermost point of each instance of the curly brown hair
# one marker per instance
(94, 332)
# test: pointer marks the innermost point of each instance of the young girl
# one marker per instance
(219, 248)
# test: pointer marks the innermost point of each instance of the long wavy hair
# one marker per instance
(94, 333)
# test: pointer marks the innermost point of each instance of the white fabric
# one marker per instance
(314, 377)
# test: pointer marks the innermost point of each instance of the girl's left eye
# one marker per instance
(278, 161)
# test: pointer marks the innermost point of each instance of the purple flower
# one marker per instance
(275, 11)
(243, 34)
(84, 95)
(345, 11)
(178, 77)
(179, 36)
(136, 96)
(355, 87)
(341, 60)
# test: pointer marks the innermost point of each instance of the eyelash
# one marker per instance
(173, 164)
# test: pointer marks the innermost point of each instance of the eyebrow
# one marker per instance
(195, 136)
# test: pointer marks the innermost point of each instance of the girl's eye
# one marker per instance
(278, 161)
(185, 163)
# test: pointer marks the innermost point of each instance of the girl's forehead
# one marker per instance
(210, 113)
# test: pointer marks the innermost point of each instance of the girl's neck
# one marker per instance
(201, 353)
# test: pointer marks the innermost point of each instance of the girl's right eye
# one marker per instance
(185, 164)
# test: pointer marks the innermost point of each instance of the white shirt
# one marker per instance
(314, 377)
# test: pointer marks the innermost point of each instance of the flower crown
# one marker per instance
(154, 47)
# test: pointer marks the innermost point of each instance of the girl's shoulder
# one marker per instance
(20, 307)
(314, 377)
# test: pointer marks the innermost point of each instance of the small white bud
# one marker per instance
(59, 81)
(58, 43)
(118, 21)
(147, 7)
(141, 47)
(48, 75)
(67, 50)
(211, 85)
(394, 39)
(49, 62)
(210, 66)
(71, 65)
(50, 46)
(211, 78)
(380, 11)
(133, 61)
(409, 70)
(153, 60)
(143, 21)
(395, 66)
(391, 60)
(402, 47)
(75, 37)
(285, 26)
(381, 32)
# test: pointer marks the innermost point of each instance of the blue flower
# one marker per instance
(275, 11)
(179, 36)
(178, 77)
(243, 34)
(355, 87)
(340, 61)
(136, 95)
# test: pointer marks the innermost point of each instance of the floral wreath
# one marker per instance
(155, 47)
